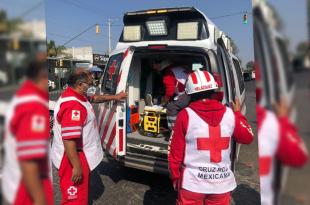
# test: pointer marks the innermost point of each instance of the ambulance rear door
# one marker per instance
(112, 115)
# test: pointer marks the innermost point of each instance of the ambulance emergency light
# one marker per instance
(157, 28)
(187, 31)
(132, 33)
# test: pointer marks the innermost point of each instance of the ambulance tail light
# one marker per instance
(120, 139)
(157, 47)
(157, 28)
(132, 33)
(187, 31)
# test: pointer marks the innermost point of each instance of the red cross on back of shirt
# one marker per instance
(214, 143)
(75, 113)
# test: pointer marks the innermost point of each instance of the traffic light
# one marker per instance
(97, 29)
(245, 18)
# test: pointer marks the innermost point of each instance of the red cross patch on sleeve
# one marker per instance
(38, 123)
(76, 115)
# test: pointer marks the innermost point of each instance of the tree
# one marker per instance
(235, 48)
(53, 50)
(250, 66)
(8, 25)
(302, 49)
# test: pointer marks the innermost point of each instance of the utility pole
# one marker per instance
(308, 21)
(109, 34)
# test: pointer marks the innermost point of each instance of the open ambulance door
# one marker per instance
(230, 88)
(112, 115)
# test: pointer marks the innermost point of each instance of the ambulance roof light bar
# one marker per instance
(132, 33)
(157, 28)
(187, 31)
(158, 11)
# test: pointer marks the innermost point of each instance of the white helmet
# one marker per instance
(200, 81)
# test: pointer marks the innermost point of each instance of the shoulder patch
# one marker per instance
(75, 115)
(38, 123)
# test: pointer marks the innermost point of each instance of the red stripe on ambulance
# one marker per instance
(111, 137)
(107, 124)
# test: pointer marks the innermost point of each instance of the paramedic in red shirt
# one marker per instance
(174, 85)
(278, 140)
(26, 174)
(76, 148)
(199, 152)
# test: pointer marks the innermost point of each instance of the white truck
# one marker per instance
(127, 128)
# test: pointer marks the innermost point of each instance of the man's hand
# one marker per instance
(175, 185)
(236, 105)
(282, 109)
(120, 96)
(76, 174)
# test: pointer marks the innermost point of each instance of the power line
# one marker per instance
(84, 31)
(30, 10)
(79, 39)
(80, 7)
(232, 14)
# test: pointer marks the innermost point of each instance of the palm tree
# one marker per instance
(53, 50)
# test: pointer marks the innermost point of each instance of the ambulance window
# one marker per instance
(239, 75)
(217, 73)
(227, 76)
(111, 74)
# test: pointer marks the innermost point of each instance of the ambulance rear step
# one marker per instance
(137, 139)
(146, 163)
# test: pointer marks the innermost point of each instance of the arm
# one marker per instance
(31, 177)
(105, 98)
(72, 116)
(243, 132)
(73, 156)
(169, 83)
(31, 128)
(291, 150)
(177, 146)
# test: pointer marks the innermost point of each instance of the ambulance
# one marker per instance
(134, 132)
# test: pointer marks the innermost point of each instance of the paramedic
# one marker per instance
(26, 172)
(76, 147)
(199, 155)
(278, 141)
(174, 85)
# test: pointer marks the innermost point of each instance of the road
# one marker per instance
(113, 184)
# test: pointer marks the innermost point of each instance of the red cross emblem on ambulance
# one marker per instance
(112, 69)
(214, 143)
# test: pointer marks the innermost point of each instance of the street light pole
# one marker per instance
(109, 34)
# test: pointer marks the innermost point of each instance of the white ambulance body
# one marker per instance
(183, 34)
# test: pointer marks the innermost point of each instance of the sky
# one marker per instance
(67, 18)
